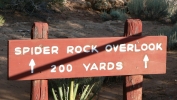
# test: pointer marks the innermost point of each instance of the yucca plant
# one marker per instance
(75, 89)
(2, 20)
(70, 92)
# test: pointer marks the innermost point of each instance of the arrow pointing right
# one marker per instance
(32, 64)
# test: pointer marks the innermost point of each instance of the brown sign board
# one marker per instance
(86, 57)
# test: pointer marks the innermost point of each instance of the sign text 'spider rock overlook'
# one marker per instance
(86, 57)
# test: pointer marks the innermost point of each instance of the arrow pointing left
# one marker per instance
(32, 64)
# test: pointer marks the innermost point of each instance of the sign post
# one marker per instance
(39, 88)
(132, 86)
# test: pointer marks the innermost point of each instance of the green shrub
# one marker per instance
(171, 34)
(135, 7)
(117, 14)
(172, 10)
(105, 16)
(29, 6)
(148, 9)
(155, 9)
(173, 37)
(2, 21)
(1, 4)
(174, 17)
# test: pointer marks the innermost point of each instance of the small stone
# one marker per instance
(168, 20)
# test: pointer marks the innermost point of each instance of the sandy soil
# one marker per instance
(82, 23)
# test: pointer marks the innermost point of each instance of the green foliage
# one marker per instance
(102, 4)
(59, 1)
(117, 14)
(2, 20)
(171, 34)
(68, 89)
(105, 16)
(1, 4)
(29, 6)
(148, 9)
(135, 7)
(174, 17)
(173, 38)
(86, 92)
(66, 92)
(173, 11)
(155, 9)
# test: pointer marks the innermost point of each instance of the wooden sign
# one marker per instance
(86, 57)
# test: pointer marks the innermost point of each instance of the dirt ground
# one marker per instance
(71, 23)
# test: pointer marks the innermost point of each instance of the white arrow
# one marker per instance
(32, 64)
(146, 59)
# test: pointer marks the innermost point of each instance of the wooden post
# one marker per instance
(132, 86)
(39, 88)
